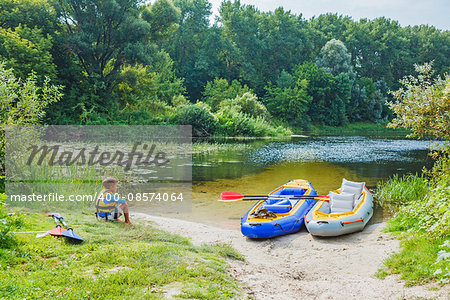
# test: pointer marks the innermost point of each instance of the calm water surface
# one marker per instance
(259, 166)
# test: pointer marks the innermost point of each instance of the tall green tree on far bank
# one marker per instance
(289, 100)
(261, 45)
(335, 59)
(330, 95)
(196, 46)
(106, 34)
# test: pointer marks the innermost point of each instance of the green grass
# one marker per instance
(213, 147)
(402, 190)
(358, 127)
(417, 262)
(422, 223)
(113, 262)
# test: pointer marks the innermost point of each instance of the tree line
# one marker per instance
(247, 73)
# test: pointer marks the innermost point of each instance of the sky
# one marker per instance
(407, 12)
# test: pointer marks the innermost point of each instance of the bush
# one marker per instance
(198, 115)
(220, 90)
(427, 208)
(422, 104)
(423, 224)
(248, 104)
(7, 223)
(235, 123)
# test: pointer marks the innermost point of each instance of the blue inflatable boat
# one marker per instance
(281, 213)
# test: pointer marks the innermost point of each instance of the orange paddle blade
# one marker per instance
(229, 196)
(56, 231)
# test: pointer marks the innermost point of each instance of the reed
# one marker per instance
(400, 190)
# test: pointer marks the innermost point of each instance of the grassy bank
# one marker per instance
(422, 223)
(113, 262)
(358, 127)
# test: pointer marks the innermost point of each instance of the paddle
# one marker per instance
(232, 196)
(55, 231)
(69, 232)
(259, 199)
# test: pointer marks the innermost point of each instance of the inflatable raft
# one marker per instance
(321, 221)
(281, 213)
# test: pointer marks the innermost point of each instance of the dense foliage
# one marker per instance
(423, 219)
(133, 62)
(23, 102)
(423, 104)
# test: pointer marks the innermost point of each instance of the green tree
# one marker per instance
(106, 34)
(148, 87)
(24, 101)
(427, 43)
(195, 46)
(260, 45)
(219, 90)
(328, 102)
(343, 94)
(326, 27)
(162, 17)
(247, 103)
(379, 49)
(32, 13)
(241, 35)
(423, 104)
(335, 59)
(26, 50)
(288, 100)
(284, 42)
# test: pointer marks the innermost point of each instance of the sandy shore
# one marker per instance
(299, 266)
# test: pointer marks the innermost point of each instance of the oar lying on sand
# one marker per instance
(233, 197)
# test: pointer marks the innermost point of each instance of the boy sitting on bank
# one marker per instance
(110, 207)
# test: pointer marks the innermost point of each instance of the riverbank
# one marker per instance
(421, 222)
(300, 265)
(355, 128)
(114, 261)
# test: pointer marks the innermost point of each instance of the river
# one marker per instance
(257, 166)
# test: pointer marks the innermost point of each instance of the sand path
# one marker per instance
(300, 266)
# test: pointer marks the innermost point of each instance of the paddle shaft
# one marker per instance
(56, 221)
(61, 219)
(290, 196)
(236, 196)
(294, 197)
(69, 232)
(259, 199)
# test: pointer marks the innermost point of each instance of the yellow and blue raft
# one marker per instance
(281, 213)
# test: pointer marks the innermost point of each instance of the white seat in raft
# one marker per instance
(352, 187)
(340, 203)
(350, 195)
